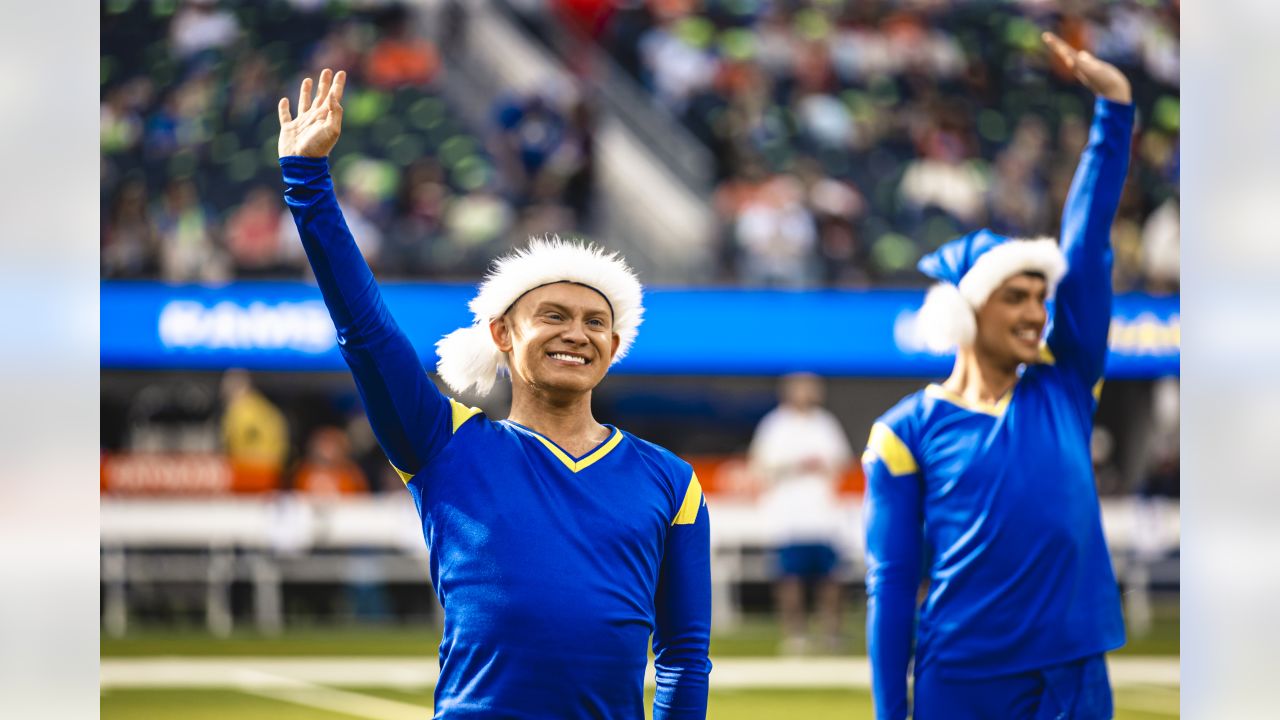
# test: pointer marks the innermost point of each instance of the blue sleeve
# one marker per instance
(1082, 308)
(409, 416)
(682, 629)
(894, 525)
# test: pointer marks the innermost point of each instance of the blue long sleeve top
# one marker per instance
(554, 571)
(1019, 576)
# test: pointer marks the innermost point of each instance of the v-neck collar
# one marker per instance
(995, 410)
(574, 464)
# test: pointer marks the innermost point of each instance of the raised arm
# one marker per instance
(409, 416)
(682, 631)
(894, 523)
(1082, 310)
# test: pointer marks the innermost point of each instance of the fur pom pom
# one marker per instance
(469, 358)
(945, 321)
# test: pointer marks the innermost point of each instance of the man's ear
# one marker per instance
(613, 346)
(500, 331)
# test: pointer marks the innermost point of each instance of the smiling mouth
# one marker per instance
(568, 358)
(1027, 335)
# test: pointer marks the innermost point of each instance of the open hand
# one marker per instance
(319, 123)
(1100, 76)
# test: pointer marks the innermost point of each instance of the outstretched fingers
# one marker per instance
(339, 84)
(322, 89)
(282, 108)
(304, 96)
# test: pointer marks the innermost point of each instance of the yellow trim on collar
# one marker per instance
(1097, 390)
(1046, 355)
(688, 512)
(886, 445)
(577, 465)
(996, 410)
(461, 413)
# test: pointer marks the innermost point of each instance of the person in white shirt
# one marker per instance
(799, 451)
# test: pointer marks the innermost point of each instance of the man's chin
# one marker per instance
(1027, 356)
(576, 381)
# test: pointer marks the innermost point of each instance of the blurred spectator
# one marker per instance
(944, 178)
(130, 241)
(799, 450)
(187, 250)
(1161, 476)
(344, 46)
(254, 431)
(530, 132)
(476, 224)
(418, 217)
(120, 122)
(1161, 258)
(327, 469)
(253, 233)
(252, 92)
(678, 59)
(454, 27)
(576, 162)
(777, 237)
(399, 58)
(199, 25)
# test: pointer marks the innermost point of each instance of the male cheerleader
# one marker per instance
(991, 472)
(558, 545)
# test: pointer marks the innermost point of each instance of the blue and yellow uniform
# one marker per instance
(1020, 583)
(553, 570)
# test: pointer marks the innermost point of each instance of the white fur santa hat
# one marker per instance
(468, 356)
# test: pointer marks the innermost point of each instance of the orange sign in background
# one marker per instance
(183, 474)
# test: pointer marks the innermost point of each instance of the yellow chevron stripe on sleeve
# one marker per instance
(688, 512)
(887, 446)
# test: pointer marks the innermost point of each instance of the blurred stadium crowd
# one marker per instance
(848, 138)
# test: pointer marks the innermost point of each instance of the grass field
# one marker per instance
(755, 638)
(1154, 703)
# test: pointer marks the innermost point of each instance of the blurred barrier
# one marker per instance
(870, 333)
(269, 542)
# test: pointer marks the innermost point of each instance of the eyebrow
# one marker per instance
(552, 305)
(1021, 292)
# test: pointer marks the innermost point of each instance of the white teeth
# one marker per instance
(569, 358)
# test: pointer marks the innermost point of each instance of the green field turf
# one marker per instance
(754, 637)
(1131, 704)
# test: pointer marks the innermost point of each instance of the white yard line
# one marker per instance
(728, 673)
(330, 699)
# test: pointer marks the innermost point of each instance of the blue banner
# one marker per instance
(284, 326)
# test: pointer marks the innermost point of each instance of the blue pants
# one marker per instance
(806, 560)
(1078, 690)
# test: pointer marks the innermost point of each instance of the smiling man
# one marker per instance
(558, 545)
(991, 470)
